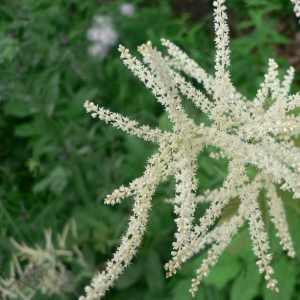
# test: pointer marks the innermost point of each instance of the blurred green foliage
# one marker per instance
(57, 163)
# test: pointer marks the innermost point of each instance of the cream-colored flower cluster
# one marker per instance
(296, 7)
(44, 270)
(245, 132)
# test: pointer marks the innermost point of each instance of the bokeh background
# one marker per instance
(57, 163)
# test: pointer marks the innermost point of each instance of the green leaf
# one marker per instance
(52, 93)
(154, 272)
(230, 209)
(293, 219)
(20, 106)
(44, 144)
(292, 208)
(131, 275)
(226, 269)
(56, 181)
(26, 129)
(138, 153)
(245, 286)
(208, 165)
(83, 150)
(289, 201)
(241, 245)
(164, 122)
(76, 104)
(285, 273)
(181, 291)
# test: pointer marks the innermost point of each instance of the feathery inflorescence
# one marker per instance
(45, 272)
(245, 132)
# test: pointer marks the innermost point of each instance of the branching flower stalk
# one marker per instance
(44, 272)
(245, 132)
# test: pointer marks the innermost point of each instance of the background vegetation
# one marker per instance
(57, 163)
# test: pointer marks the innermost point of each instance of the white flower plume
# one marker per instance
(245, 132)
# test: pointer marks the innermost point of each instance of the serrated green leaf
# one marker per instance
(245, 286)
(226, 269)
(285, 273)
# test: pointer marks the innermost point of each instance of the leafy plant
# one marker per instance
(56, 163)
